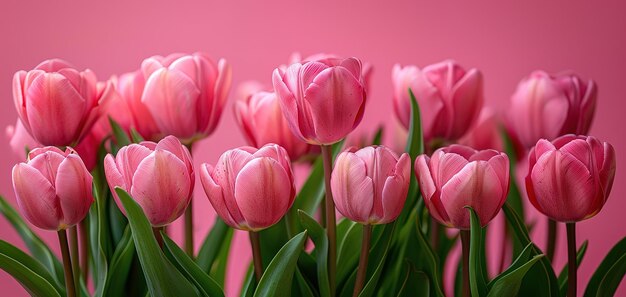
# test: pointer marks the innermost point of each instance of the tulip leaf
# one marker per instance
(30, 273)
(135, 136)
(120, 137)
(100, 236)
(121, 262)
(378, 256)
(349, 235)
(194, 273)
(213, 244)
(478, 283)
(523, 257)
(514, 197)
(278, 276)
(162, 278)
(416, 283)
(320, 239)
(609, 273)
(509, 284)
(304, 286)
(378, 136)
(563, 276)
(249, 285)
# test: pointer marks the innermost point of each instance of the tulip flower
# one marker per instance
(185, 93)
(548, 106)
(322, 100)
(367, 67)
(485, 133)
(58, 104)
(159, 176)
(457, 176)
(53, 188)
(130, 87)
(450, 98)
(370, 185)
(261, 120)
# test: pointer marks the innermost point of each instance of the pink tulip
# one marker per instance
(322, 100)
(485, 133)
(450, 98)
(261, 120)
(457, 176)
(250, 189)
(367, 67)
(53, 188)
(548, 106)
(58, 104)
(570, 178)
(159, 176)
(370, 185)
(130, 86)
(186, 93)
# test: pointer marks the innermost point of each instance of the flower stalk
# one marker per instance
(67, 264)
(572, 268)
(362, 270)
(330, 216)
(465, 247)
(255, 242)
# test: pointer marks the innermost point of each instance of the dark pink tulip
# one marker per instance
(58, 104)
(130, 87)
(485, 133)
(570, 178)
(322, 100)
(186, 93)
(250, 189)
(370, 185)
(548, 106)
(457, 176)
(159, 176)
(450, 98)
(53, 188)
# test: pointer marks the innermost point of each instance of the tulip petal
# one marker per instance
(215, 195)
(220, 95)
(467, 101)
(115, 179)
(395, 190)
(445, 166)
(36, 197)
(287, 101)
(424, 176)
(74, 189)
(18, 96)
(353, 190)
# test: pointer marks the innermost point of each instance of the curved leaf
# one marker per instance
(416, 283)
(378, 255)
(320, 239)
(213, 244)
(608, 270)
(117, 275)
(276, 280)
(348, 250)
(509, 284)
(478, 283)
(31, 274)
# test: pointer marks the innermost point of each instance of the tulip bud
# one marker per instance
(186, 93)
(570, 178)
(261, 120)
(322, 100)
(457, 176)
(130, 87)
(250, 189)
(53, 188)
(485, 133)
(296, 57)
(370, 185)
(58, 104)
(159, 176)
(449, 97)
(548, 106)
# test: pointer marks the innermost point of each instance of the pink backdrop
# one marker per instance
(505, 41)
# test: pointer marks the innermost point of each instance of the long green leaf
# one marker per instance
(607, 270)
(510, 283)
(121, 262)
(277, 278)
(213, 244)
(378, 136)
(348, 249)
(378, 255)
(478, 283)
(30, 273)
(564, 273)
(320, 239)
(416, 283)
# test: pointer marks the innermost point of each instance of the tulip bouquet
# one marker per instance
(109, 165)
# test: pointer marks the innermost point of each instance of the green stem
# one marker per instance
(75, 255)
(67, 264)
(551, 240)
(158, 236)
(365, 251)
(572, 278)
(84, 249)
(255, 242)
(465, 246)
(189, 220)
(327, 157)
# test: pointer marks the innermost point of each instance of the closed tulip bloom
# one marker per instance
(250, 189)
(457, 176)
(186, 93)
(322, 100)
(53, 188)
(485, 133)
(570, 178)
(261, 120)
(367, 67)
(159, 176)
(130, 87)
(370, 185)
(548, 106)
(450, 98)
(58, 104)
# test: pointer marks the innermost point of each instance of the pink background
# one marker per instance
(505, 41)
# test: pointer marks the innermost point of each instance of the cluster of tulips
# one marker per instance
(135, 133)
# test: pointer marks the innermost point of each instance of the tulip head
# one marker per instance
(53, 188)
(159, 176)
(457, 176)
(370, 185)
(322, 100)
(250, 189)
(130, 87)
(570, 178)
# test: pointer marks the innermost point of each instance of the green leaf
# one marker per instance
(121, 138)
(348, 249)
(203, 281)
(213, 244)
(523, 257)
(117, 275)
(416, 283)
(609, 273)
(218, 272)
(30, 273)
(276, 280)
(415, 143)
(514, 197)
(162, 278)
(378, 255)
(478, 283)
(510, 283)
(320, 239)
(303, 285)
(100, 241)
(378, 136)
(135, 136)
(564, 273)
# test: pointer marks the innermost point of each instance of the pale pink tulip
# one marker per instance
(367, 67)
(570, 178)
(548, 106)
(159, 176)
(186, 93)
(450, 98)
(322, 100)
(58, 104)
(457, 176)
(485, 133)
(53, 188)
(370, 185)
(130, 87)
(250, 189)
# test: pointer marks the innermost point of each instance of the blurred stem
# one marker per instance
(84, 249)
(255, 242)
(434, 233)
(503, 251)
(189, 220)
(74, 255)
(465, 246)
(67, 264)
(362, 270)
(551, 240)
(327, 157)
(571, 260)
(157, 235)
